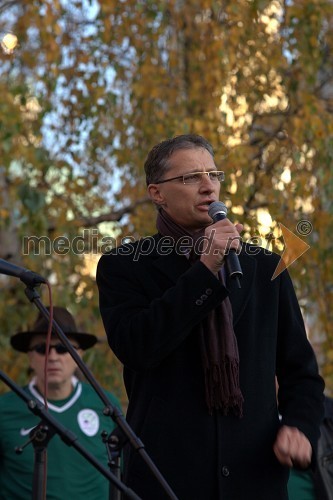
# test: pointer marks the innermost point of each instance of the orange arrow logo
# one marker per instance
(294, 247)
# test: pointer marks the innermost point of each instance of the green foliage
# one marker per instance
(88, 92)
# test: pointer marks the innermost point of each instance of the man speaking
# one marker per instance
(200, 354)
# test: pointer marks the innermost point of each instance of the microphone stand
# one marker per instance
(109, 409)
(69, 438)
(39, 437)
(113, 448)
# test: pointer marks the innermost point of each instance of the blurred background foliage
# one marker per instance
(88, 87)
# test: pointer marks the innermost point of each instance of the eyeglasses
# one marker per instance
(196, 177)
(59, 348)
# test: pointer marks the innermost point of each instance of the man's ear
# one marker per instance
(155, 194)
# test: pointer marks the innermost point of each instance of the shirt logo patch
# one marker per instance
(88, 421)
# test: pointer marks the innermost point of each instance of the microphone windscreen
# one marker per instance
(217, 207)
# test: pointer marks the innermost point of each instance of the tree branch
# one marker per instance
(112, 216)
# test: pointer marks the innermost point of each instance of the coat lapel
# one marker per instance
(240, 296)
(168, 262)
(173, 266)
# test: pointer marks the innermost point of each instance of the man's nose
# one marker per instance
(52, 352)
(207, 183)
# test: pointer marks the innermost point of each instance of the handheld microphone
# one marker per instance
(28, 277)
(218, 211)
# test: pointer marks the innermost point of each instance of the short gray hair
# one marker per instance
(157, 162)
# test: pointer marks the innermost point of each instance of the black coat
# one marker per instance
(323, 474)
(151, 301)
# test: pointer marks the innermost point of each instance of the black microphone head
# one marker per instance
(217, 207)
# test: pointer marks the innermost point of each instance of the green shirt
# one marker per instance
(69, 475)
(300, 485)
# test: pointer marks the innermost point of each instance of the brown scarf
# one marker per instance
(218, 343)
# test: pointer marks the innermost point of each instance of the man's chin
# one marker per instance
(54, 382)
(204, 221)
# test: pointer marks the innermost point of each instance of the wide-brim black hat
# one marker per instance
(21, 340)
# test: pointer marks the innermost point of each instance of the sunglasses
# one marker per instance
(59, 348)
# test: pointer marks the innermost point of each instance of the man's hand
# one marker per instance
(223, 236)
(292, 447)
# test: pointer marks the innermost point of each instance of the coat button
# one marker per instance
(204, 297)
(225, 471)
(209, 291)
(199, 302)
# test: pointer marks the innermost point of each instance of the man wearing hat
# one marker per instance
(72, 402)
